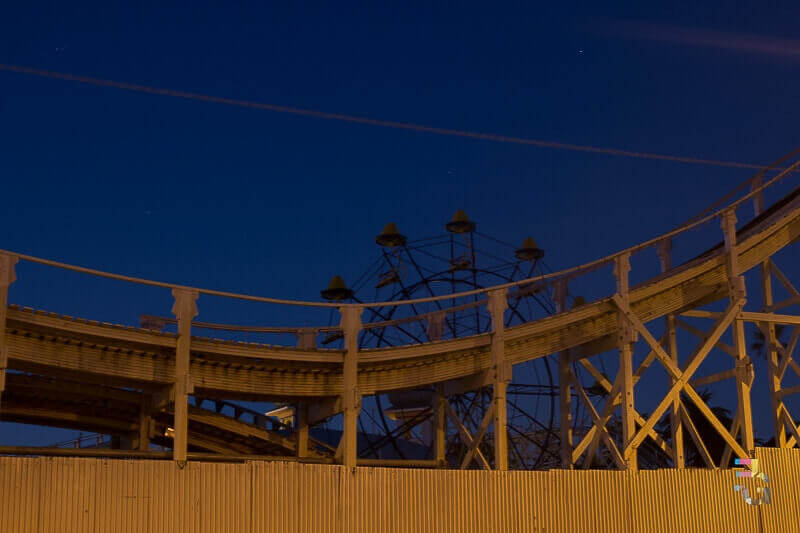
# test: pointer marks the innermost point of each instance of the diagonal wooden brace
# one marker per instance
(466, 438)
(692, 364)
(478, 438)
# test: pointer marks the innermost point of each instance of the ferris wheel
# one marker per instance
(458, 260)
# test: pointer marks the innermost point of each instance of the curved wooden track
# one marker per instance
(89, 354)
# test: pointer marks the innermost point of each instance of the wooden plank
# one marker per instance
(713, 378)
(769, 317)
(699, 313)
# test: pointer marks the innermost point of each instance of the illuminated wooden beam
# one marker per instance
(770, 318)
(301, 449)
(713, 378)
(185, 309)
(626, 339)
(439, 426)
(498, 303)
(664, 251)
(695, 436)
(738, 293)
(351, 399)
(564, 389)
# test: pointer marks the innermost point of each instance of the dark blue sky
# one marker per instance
(272, 204)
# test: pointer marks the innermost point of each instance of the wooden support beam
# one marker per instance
(184, 309)
(791, 428)
(615, 394)
(675, 421)
(737, 292)
(600, 425)
(351, 398)
(735, 427)
(784, 392)
(626, 339)
(770, 341)
(769, 318)
(640, 328)
(564, 390)
(695, 436)
(439, 426)
(699, 313)
(466, 438)
(592, 437)
(713, 378)
(787, 352)
(301, 449)
(497, 304)
(717, 425)
(323, 409)
(307, 338)
(7, 277)
(476, 440)
(694, 361)
(783, 304)
(145, 423)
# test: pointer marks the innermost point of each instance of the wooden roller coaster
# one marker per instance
(136, 382)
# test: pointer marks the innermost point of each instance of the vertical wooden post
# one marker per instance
(439, 426)
(737, 291)
(306, 338)
(302, 430)
(675, 422)
(622, 267)
(7, 277)
(770, 345)
(564, 384)
(770, 339)
(351, 399)
(145, 421)
(184, 309)
(498, 303)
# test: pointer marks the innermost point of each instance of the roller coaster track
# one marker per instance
(88, 375)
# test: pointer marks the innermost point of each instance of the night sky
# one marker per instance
(274, 204)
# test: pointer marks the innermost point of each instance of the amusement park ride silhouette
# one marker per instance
(458, 351)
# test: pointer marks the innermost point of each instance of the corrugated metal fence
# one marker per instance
(88, 495)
